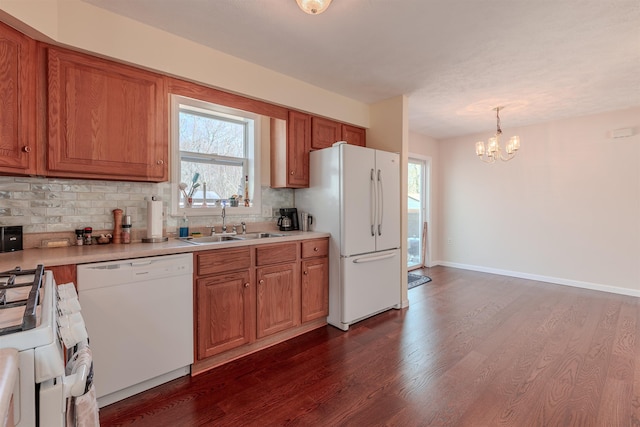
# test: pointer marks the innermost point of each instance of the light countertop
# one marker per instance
(30, 258)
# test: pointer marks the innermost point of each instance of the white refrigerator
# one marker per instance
(354, 194)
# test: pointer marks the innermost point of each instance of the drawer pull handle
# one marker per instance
(316, 249)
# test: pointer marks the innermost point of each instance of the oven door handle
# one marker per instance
(78, 383)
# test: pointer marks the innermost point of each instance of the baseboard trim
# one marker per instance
(547, 279)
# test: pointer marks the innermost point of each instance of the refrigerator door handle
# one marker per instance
(373, 258)
(372, 203)
(380, 202)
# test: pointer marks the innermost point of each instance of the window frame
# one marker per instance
(251, 166)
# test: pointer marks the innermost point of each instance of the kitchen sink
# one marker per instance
(217, 238)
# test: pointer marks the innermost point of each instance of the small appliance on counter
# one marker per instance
(11, 238)
(288, 220)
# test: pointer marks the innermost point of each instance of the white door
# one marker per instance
(417, 211)
(358, 189)
(387, 228)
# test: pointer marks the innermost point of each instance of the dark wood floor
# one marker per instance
(473, 349)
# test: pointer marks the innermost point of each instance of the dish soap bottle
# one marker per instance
(184, 226)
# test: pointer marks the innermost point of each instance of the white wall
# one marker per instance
(426, 147)
(389, 131)
(565, 210)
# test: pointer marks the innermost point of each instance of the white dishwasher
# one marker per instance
(139, 314)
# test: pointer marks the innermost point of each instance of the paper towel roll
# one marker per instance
(154, 218)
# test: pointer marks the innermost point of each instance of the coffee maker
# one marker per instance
(288, 220)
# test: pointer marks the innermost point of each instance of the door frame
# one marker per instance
(425, 205)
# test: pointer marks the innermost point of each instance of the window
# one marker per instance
(217, 157)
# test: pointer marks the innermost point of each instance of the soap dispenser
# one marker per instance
(184, 226)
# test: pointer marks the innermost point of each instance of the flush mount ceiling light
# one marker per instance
(493, 151)
(313, 7)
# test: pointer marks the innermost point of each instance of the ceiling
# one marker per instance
(454, 59)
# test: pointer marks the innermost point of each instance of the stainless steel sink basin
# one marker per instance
(259, 235)
(209, 239)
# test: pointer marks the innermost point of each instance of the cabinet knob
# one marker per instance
(160, 162)
(26, 149)
(261, 281)
(291, 172)
(305, 273)
(316, 249)
(246, 285)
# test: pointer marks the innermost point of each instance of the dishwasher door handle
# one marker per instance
(141, 263)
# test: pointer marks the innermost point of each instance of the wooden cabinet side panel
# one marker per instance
(324, 132)
(18, 152)
(223, 305)
(315, 289)
(354, 135)
(277, 299)
(64, 273)
(105, 118)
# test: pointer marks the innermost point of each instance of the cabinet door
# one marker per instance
(105, 120)
(224, 304)
(315, 289)
(298, 146)
(354, 135)
(17, 93)
(324, 132)
(278, 298)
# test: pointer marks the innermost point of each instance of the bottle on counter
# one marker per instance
(184, 226)
(79, 236)
(87, 235)
(126, 229)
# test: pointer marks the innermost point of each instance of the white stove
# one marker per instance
(43, 322)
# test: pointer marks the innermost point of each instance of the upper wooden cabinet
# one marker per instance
(18, 152)
(325, 132)
(105, 120)
(354, 135)
(290, 146)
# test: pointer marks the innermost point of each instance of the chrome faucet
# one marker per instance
(244, 227)
(224, 224)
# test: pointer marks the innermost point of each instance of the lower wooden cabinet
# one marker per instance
(278, 296)
(314, 289)
(225, 312)
(253, 297)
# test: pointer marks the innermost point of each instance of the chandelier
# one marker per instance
(493, 152)
(313, 7)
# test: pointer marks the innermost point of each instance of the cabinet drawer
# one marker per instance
(273, 254)
(315, 248)
(219, 261)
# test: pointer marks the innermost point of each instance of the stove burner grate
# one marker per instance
(11, 280)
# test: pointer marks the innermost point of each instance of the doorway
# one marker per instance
(417, 212)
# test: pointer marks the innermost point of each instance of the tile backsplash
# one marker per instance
(49, 205)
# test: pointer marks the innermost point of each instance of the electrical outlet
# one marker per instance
(267, 211)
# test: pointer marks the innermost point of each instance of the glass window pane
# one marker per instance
(223, 181)
(211, 135)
